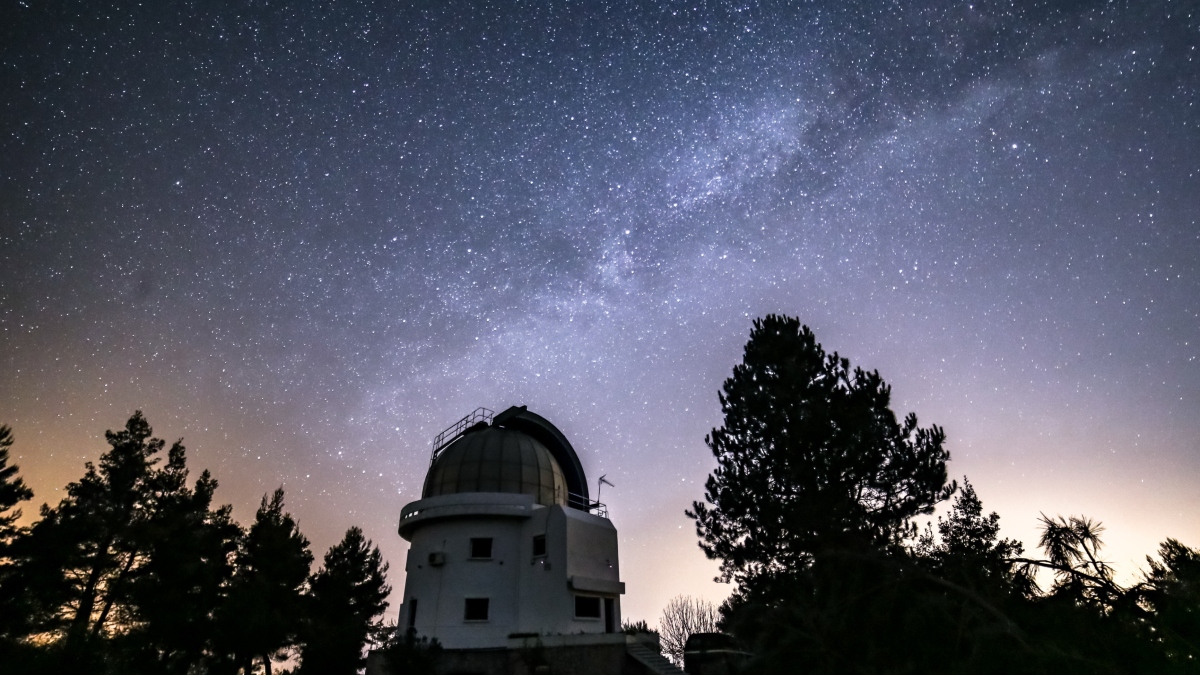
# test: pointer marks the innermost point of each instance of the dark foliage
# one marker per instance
(637, 627)
(346, 597)
(13, 490)
(810, 511)
(967, 550)
(136, 571)
(406, 654)
(175, 597)
(811, 459)
(78, 563)
(264, 611)
(1171, 594)
(126, 572)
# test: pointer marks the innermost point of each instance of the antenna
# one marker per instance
(600, 485)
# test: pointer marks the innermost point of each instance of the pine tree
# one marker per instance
(264, 611)
(968, 551)
(347, 595)
(810, 459)
(174, 598)
(13, 490)
(810, 506)
(1171, 591)
(77, 561)
(128, 569)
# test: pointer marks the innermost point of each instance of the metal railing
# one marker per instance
(454, 431)
(578, 502)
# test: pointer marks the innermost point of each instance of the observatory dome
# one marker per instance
(495, 459)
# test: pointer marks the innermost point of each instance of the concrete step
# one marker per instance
(655, 661)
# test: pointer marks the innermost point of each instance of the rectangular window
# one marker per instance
(587, 607)
(412, 612)
(481, 548)
(476, 609)
(539, 545)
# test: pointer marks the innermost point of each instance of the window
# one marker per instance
(412, 612)
(476, 609)
(539, 545)
(587, 607)
(481, 548)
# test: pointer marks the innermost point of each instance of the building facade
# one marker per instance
(505, 542)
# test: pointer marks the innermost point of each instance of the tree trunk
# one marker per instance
(87, 602)
(112, 594)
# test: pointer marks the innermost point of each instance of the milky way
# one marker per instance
(307, 238)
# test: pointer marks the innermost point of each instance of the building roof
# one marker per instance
(495, 459)
(519, 452)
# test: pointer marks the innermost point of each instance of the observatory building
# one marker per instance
(505, 539)
(509, 553)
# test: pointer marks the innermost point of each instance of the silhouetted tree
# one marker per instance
(811, 509)
(345, 597)
(683, 616)
(810, 458)
(76, 563)
(14, 606)
(13, 491)
(406, 654)
(1072, 546)
(814, 494)
(637, 627)
(126, 571)
(1171, 592)
(968, 551)
(175, 596)
(264, 611)
(136, 571)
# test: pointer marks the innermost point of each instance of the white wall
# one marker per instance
(526, 594)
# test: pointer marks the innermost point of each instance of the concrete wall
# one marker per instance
(527, 594)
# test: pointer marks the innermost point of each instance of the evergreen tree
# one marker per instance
(1171, 591)
(175, 596)
(76, 563)
(13, 490)
(811, 460)
(968, 550)
(811, 512)
(126, 571)
(264, 611)
(345, 598)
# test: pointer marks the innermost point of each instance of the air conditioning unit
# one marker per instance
(437, 559)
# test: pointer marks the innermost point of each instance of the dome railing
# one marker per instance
(456, 430)
(579, 502)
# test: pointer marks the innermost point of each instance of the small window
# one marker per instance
(539, 545)
(412, 612)
(476, 609)
(481, 548)
(587, 607)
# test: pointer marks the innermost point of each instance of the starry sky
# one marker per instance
(306, 237)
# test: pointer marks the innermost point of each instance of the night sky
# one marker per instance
(306, 237)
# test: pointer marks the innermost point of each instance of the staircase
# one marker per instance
(652, 659)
